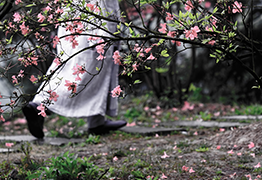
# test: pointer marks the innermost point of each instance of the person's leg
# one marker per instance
(35, 122)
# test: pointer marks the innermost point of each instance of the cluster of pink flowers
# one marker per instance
(53, 95)
(71, 86)
(41, 108)
(116, 91)
(78, 69)
(192, 33)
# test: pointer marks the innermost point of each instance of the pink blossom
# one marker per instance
(24, 29)
(90, 6)
(221, 129)
(131, 124)
(41, 18)
(163, 176)
(9, 145)
(1, 110)
(134, 66)
(151, 57)
(20, 121)
(169, 16)
(17, 2)
(171, 33)
(71, 86)
(258, 165)
(57, 61)
(115, 158)
(2, 118)
(230, 152)
(50, 18)
(233, 175)
(74, 43)
(78, 69)
(212, 42)
(59, 11)
(192, 33)
(217, 113)
(253, 155)
(55, 41)
(163, 28)
(12, 103)
(239, 154)
(100, 57)
(207, 4)
(100, 48)
(21, 74)
(258, 176)
(117, 57)
(17, 17)
(15, 81)
(249, 176)
(116, 91)
(147, 50)
(195, 133)
(188, 5)
(191, 170)
(33, 79)
(237, 7)
(165, 155)
(146, 108)
(53, 96)
(251, 145)
(132, 149)
(41, 108)
(47, 8)
(184, 168)
(203, 161)
(187, 106)
(149, 177)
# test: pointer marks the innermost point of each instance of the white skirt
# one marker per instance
(95, 98)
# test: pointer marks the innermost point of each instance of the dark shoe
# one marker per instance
(35, 122)
(107, 127)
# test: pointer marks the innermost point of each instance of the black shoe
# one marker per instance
(107, 127)
(35, 122)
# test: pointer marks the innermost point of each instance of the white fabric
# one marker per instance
(95, 99)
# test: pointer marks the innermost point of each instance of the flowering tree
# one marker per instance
(28, 38)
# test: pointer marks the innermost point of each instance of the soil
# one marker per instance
(235, 159)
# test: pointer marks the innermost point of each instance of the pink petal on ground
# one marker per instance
(221, 129)
(163, 176)
(131, 124)
(7, 123)
(251, 145)
(174, 109)
(191, 170)
(20, 121)
(217, 113)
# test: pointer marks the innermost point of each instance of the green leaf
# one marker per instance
(192, 87)
(137, 81)
(30, 5)
(212, 55)
(97, 68)
(162, 70)
(215, 10)
(146, 67)
(164, 53)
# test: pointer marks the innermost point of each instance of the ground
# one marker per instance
(195, 153)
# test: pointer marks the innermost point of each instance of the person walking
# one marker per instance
(94, 100)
